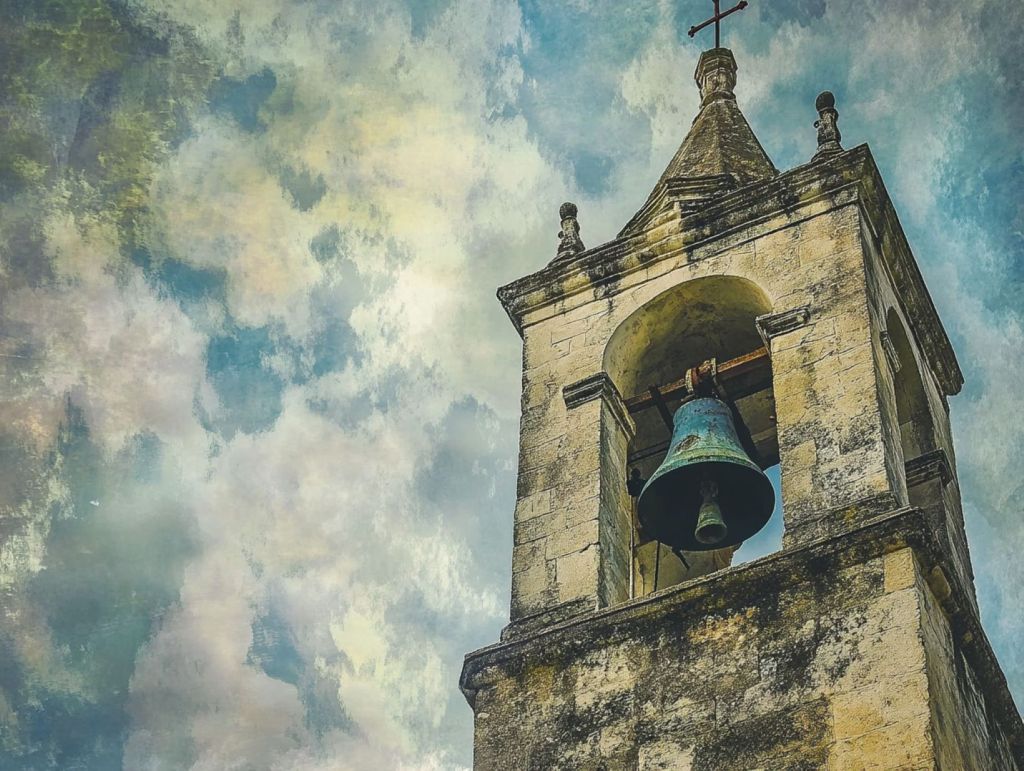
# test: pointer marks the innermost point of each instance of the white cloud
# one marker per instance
(320, 521)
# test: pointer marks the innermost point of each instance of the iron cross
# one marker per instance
(716, 19)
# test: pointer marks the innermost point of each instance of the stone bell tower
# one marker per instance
(794, 298)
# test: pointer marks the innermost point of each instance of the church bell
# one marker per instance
(707, 493)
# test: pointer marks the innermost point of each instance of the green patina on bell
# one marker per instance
(707, 493)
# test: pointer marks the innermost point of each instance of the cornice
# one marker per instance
(931, 465)
(905, 275)
(600, 386)
(601, 270)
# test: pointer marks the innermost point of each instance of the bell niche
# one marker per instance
(698, 339)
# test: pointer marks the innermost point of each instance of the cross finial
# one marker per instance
(716, 20)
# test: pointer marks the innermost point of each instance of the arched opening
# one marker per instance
(917, 431)
(707, 318)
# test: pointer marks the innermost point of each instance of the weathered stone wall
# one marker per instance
(962, 724)
(804, 660)
(938, 494)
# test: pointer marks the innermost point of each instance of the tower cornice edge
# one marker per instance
(601, 270)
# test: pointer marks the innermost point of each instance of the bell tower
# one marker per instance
(789, 304)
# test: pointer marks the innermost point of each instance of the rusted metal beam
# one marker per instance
(757, 360)
(663, 410)
(743, 433)
(660, 448)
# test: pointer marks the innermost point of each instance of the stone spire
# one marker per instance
(720, 151)
(720, 140)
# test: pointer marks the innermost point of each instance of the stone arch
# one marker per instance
(711, 316)
(692, 321)
(913, 415)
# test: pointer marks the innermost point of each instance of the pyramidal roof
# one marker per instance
(719, 153)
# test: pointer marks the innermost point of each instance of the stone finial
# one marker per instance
(716, 75)
(827, 125)
(569, 241)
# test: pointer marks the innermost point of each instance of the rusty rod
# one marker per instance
(663, 410)
(727, 370)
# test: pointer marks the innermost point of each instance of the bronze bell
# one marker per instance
(707, 493)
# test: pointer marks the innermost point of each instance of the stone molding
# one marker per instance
(774, 324)
(931, 465)
(891, 356)
(600, 386)
(851, 174)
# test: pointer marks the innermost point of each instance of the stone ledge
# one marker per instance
(774, 324)
(734, 587)
(599, 386)
(931, 465)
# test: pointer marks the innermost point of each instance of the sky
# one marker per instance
(260, 410)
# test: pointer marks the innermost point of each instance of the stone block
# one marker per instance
(900, 745)
(576, 574)
(533, 505)
(900, 700)
(530, 587)
(567, 540)
(900, 570)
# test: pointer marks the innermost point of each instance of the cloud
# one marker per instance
(247, 308)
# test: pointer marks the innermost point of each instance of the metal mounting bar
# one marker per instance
(663, 410)
(648, 452)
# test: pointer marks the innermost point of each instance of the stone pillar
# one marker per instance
(572, 540)
(832, 447)
(932, 487)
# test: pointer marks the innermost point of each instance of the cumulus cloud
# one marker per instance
(264, 405)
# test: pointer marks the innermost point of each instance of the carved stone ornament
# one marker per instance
(569, 241)
(716, 75)
(827, 125)
(774, 324)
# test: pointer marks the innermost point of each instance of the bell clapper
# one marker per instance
(711, 527)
